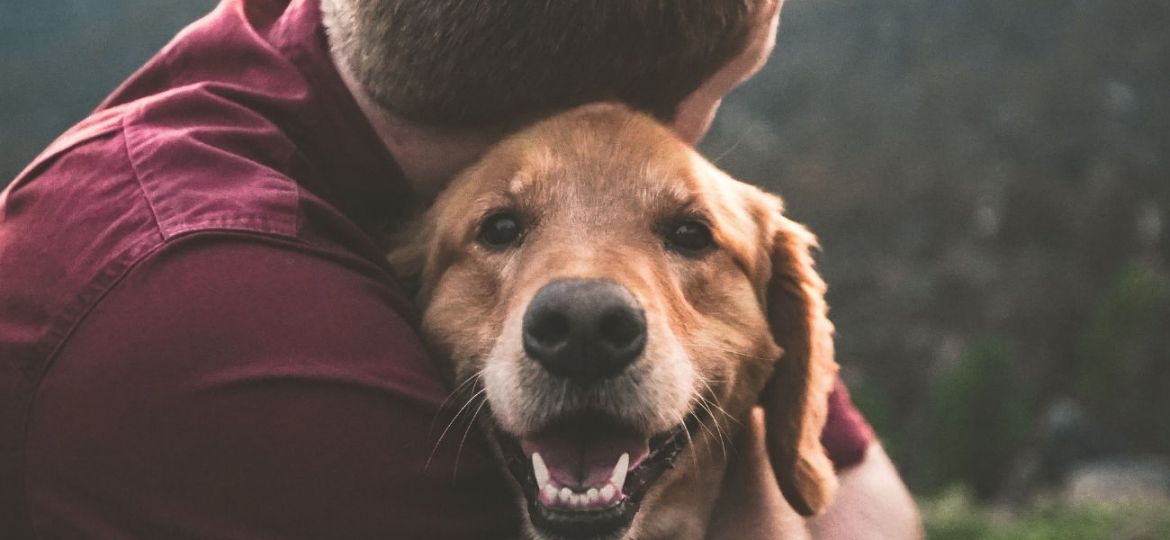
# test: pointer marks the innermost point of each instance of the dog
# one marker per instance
(622, 306)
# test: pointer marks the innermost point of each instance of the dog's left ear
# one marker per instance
(795, 399)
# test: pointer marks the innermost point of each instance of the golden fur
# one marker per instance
(740, 326)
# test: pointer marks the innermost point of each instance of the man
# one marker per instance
(198, 335)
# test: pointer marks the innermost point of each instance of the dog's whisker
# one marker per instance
(711, 391)
(737, 353)
(742, 137)
(707, 403)
(450, 424)
(710, 406)
(466, 432)
(458, 390)
(704, 427)
(719, 435)
(691, 442)
(721, 347)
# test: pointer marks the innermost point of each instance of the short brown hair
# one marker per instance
(480, 63)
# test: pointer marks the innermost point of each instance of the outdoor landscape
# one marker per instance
(990, 181)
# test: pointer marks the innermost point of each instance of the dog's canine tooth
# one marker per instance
(618, 477)
(540, 470)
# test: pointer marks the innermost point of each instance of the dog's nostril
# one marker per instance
(584, 329)
(550, 330)
(620, 328)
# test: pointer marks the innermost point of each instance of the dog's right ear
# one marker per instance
(795, 399)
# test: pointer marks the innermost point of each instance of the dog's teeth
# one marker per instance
(618, 478)
(540, 470)
(548, 494)
(567, 498)
(606, 493)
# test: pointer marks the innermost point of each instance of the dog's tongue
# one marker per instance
(583, 454)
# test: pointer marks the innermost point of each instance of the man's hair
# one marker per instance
(485, 63)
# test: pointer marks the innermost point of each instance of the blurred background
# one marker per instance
(990, 180)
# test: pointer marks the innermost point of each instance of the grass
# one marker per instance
(954, 516)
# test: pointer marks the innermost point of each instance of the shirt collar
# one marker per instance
(357, 172)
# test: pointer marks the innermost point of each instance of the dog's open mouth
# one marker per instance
(585, 476)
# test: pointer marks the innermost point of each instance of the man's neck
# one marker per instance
(429, 158)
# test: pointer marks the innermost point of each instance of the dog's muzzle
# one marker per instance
(585, 472)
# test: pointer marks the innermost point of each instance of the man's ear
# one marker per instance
(795, 399)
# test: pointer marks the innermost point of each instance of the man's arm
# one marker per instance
(871, 502)
(229, 388)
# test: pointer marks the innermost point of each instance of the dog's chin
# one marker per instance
(585, 476)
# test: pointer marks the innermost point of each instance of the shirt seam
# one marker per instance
(138, 177)
(69, 319)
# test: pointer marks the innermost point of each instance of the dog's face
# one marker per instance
(622, 303)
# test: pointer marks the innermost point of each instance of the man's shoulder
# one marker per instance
(135, 178)
(263, 306)
(193, 160)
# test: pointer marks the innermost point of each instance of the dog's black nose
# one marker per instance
(584, 329)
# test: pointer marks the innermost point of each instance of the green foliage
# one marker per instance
(977, 169)
(978, 414)
(953, 516)
(1123, 373)
(874, 404)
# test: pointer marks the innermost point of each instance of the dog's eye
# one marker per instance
(500, 230)
(689, 237)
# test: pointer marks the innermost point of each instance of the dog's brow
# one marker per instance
(508, 195)
(518, 184)
(681, 195)
(675, 199)
(661, 186)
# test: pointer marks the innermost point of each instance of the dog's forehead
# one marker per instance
(629, 179)
(626, 162)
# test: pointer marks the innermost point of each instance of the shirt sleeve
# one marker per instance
(233, 388)
(846, 435)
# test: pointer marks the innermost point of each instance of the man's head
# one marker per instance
(458, 64)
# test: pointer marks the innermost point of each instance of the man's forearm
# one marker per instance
(871, 502)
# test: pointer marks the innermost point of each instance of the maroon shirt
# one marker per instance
(199, 337)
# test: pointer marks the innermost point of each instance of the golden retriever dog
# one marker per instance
(622, 305)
